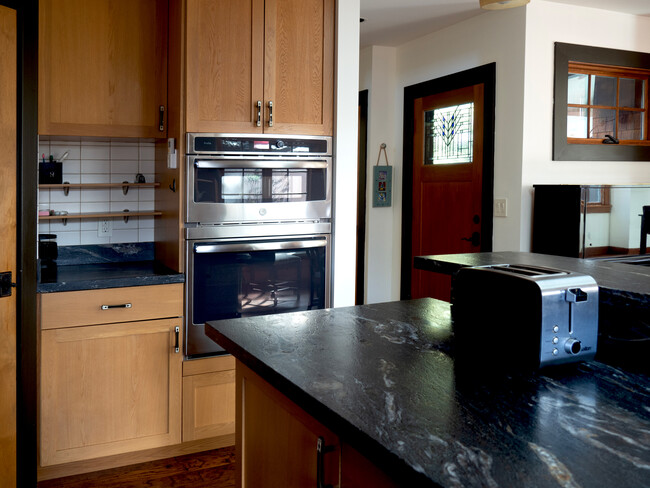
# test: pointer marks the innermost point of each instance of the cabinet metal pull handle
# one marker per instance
(259, 113)
(270, 114)
(122, 305)
(177, 333)
(321, 450)
(161, 118)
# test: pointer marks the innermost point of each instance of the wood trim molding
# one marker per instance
(562, 149)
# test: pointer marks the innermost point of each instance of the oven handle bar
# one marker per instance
(258, 246)
(281, 164)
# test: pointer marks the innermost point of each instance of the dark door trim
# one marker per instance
(26, 279)
(361, 197)
(485, 74)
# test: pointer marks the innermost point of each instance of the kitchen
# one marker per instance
(346, 186)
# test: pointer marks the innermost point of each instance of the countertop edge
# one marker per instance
(388, 462)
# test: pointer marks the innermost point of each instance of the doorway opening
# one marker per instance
(448, 173)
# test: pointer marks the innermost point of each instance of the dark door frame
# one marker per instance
(485, 74)
(361, 197)
(26, 208)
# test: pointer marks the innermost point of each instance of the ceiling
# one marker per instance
(391, 22)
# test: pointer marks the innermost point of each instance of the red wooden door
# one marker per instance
(447, 181)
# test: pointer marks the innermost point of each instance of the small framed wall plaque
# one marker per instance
(382, 184)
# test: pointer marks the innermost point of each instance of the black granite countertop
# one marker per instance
(619, 276)
(386, 380)
(104, 266)
(107, 275)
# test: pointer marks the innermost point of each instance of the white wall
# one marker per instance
(491, 37)
(547, 23)
(382, 223)
(345, 154)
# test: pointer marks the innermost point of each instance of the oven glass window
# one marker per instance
(219, 185)
(244, 284)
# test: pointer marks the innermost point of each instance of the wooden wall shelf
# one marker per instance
(100, 215)
(89, 186)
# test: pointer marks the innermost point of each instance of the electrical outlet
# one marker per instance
(500, 207)
(105, 228)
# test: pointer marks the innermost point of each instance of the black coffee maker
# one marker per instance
(47, 254)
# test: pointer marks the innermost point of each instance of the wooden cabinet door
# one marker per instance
(299, 66)
(109, 389)
(276, 440)
(208, 398)
(224, 65)
(102, 67)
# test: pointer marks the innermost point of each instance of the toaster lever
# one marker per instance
(576, 295)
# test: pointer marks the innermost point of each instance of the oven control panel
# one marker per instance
(199, 143)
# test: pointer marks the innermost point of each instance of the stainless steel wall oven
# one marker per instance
(257, 221)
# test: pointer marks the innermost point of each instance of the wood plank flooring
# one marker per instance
(215, 469)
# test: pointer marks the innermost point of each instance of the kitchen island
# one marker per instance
(387, 381)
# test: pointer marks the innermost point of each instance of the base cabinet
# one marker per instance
(278, 444)
(110, 375)
(208, 398)
(108, 389)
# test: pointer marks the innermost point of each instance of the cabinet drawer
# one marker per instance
(75, 308)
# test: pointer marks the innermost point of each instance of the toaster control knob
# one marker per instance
(572, 346)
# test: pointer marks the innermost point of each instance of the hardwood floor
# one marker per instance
(215, 469)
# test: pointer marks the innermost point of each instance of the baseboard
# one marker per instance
(99, 464)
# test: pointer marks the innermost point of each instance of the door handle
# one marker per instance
(270, 114)
(177, 331)
(475, 239)
(6, 284)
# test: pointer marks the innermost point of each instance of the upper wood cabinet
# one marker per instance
(255, 66)
(103, 68)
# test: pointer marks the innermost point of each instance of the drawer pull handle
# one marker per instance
(123, 305)
(177, 332)
(321, 450)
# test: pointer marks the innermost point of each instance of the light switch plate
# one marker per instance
(500, 207)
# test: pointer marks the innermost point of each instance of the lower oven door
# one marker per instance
(244, 278)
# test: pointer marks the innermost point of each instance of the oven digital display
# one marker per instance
(262, 145)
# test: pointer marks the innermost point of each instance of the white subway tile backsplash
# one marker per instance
(94, 195)
(58, 196)
(145, 235)
(95, 178)
(89, 152)
(147, 194)
(124, 152)
(96, 166)
(145, 222)
(71, 166)
(146, 206)
(117, 195)
(124, 236)
(147, 151)
(127, 166)
(68, 238)
(100, 162)
(96, 207)
(72, 225)
(147, 167)
(91, 237)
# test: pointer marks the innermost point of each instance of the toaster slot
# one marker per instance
(526, 270)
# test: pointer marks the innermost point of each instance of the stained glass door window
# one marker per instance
(449, 134)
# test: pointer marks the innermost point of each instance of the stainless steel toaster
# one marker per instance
(526, 315)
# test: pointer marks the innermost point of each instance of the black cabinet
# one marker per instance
(586, 221)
